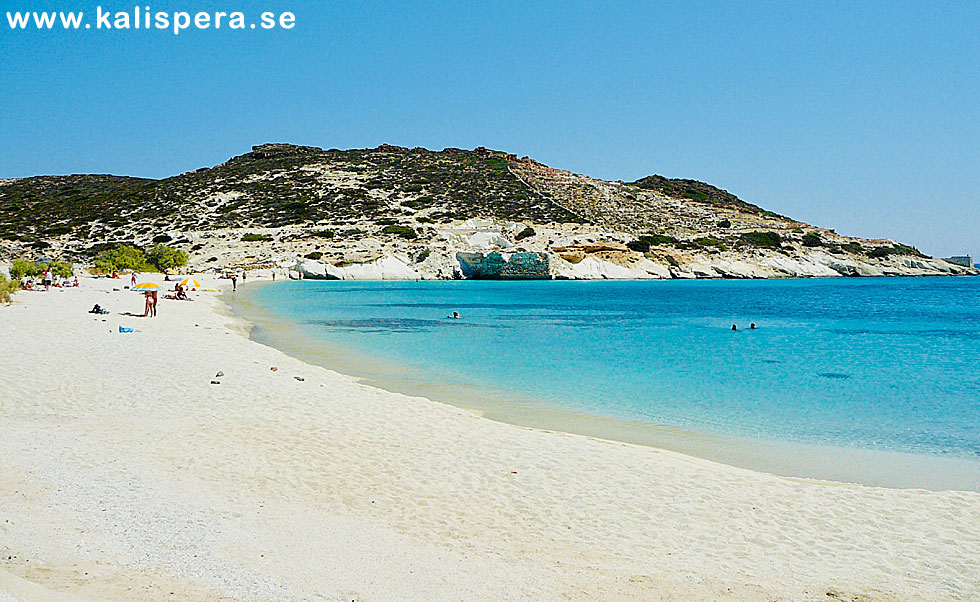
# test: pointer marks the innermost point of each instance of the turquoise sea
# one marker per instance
(886, 364)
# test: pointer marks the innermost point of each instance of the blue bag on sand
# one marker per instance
(124, 329)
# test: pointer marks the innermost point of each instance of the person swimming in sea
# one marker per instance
(752, 326)
(455, 316)
(734, 327)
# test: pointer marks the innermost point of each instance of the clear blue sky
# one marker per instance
(863, 117)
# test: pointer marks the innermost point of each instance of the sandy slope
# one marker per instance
(126, 475)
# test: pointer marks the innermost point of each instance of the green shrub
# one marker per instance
(59, 268)
(498, 163)
(250, 237)
(761, 239)
(527, 232)
(323, 233)
(166, 258)
(896, 249)
(162, 238)
(123, 257)
(314, 255)
(811, 239)
(852, 247)
(658, 239)
(725, 223)
(644, 242)
(422, 201)
(711, 242)
(21, 267)
(60, 230)
(402, 231)
(7, 288)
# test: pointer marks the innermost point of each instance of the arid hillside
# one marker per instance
(282, 204)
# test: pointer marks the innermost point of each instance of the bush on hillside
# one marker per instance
(811, 239)
(166, 258)
(762, 239)
(896, 249)
(402, 231)
(655, 240)
(852, 247)
(710, 242)
(527, 232)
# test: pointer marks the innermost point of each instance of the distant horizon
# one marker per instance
(860, 118)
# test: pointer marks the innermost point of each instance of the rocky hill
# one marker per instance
(399, 212)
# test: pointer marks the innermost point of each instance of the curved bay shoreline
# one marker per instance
(865, 466)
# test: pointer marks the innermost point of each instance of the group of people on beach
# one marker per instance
(47, 280)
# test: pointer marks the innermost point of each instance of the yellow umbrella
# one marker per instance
(190, 282)
(146, 286)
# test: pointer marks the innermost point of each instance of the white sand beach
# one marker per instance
(127, 475)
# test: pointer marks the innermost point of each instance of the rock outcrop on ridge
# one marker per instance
(394, 212)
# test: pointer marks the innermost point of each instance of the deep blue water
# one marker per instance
(877, 363)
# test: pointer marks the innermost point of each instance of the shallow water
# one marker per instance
(886, 364)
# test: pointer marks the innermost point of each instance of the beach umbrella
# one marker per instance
(146, 286)
(190, 283)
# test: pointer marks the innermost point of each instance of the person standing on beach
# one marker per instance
(244, 276)
(47, 279)
(153, 304)
(234, 282)
(133, 279)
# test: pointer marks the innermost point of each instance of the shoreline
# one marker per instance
(856, 465)
(127, 471)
